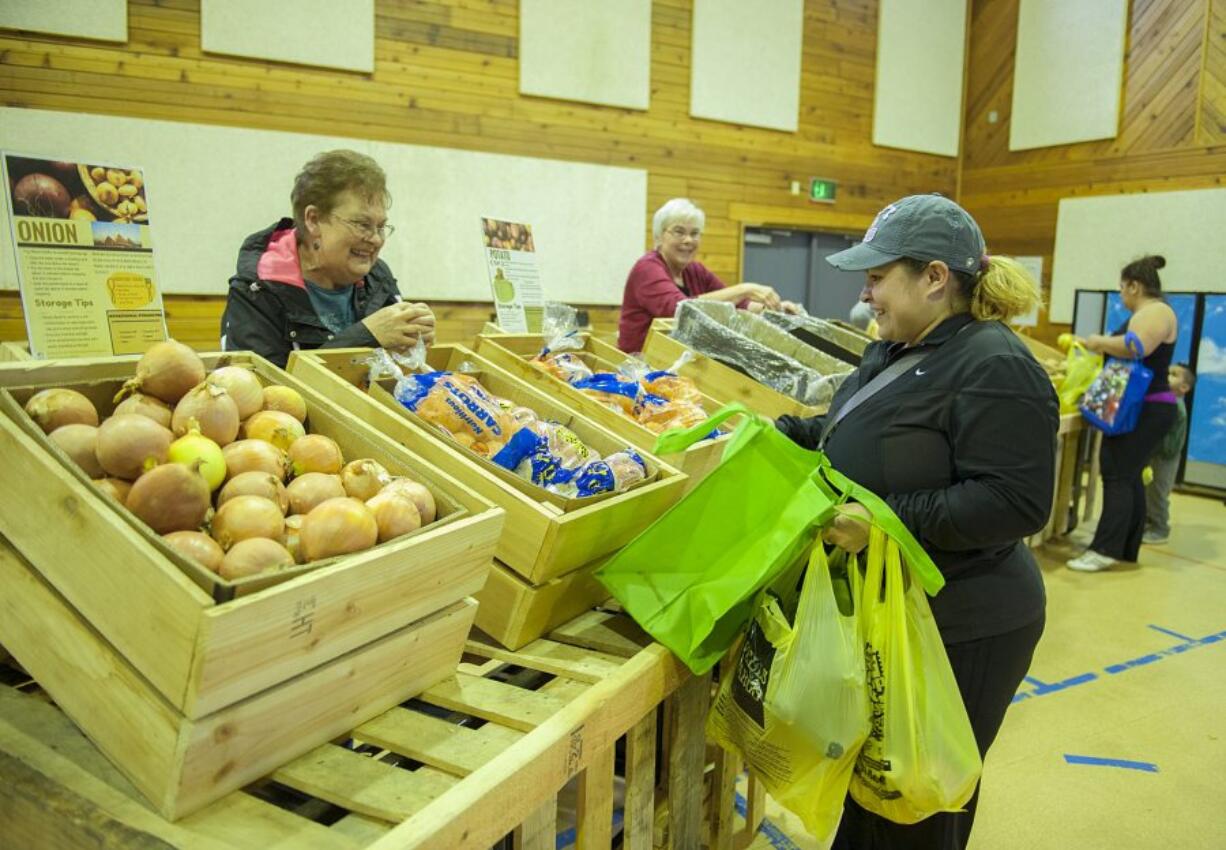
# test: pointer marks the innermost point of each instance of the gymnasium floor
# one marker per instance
(1130, 676)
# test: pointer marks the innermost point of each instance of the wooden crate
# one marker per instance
(540, 539)
(420, 775)
(723, 382)
(14, 352)
(179, 763)
(161, 612)
(514, 612)
(514, 352)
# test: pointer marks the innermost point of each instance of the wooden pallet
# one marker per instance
(541, 539)
(514, 352)
(480, 756)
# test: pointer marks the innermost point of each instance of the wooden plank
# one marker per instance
(755, 811)
(511, 787)
(548, 656)
(508, 705)
(594, 808)
(515, 612)
(361, 784)
(639, 830)
(722, 814)
(539, 830)
(360, 829)
(436, 742)
(686, 760)
(613, 634)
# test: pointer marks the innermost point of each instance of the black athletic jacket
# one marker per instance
(962, 448)
(269, 311)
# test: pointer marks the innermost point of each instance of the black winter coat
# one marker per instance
(273, 318)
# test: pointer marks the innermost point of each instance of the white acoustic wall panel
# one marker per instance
(105, 20)
(1096, 237)
(1067, 73)
(326, 33)
(745, 62)
(591, 52)
(917, 105)
(209, 187)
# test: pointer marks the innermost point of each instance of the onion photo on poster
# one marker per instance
(86, 192)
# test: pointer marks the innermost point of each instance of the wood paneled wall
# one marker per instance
(447, 75)
(1171, 132)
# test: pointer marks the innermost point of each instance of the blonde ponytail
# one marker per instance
(1004, 290)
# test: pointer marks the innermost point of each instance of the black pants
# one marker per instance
(988, 673)
(1123, 519)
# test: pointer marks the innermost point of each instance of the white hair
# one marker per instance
(678, 209)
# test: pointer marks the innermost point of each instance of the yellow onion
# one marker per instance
(146, 405)
(273, 426)
(315, 453)
(115, 488)
(363, 478)
(254, 555)
(244, 517)
(255, 456)
(209, 409)
(79, 442)
(54, 408)
(242, 385)
(293, 526)
(167, 370)
(420, 495)
(286, 400)
(197, 546)
(395, 513)
(170, 497)
(199, 452)
(307, 491)
(255, 483)
(337, 527)
(128, 445)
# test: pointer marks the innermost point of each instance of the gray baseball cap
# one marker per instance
(924, 227)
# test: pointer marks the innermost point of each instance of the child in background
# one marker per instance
(1165, 461)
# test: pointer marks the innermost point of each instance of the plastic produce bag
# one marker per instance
(1081, 367)
(920, 756)
(795, 705)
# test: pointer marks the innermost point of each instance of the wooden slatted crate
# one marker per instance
(723, 382)
(162, 615)
(514, 353)
(479, 756)
(541, 539)
(14, 351)
(515, 612)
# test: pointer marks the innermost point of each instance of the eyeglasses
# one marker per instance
(367, 230)
(681, 233)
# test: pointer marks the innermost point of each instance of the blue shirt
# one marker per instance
(334, 306)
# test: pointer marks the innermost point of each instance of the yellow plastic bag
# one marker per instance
(1080, 369)
(920, 756)
(795, 704)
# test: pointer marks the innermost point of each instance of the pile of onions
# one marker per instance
(242, 385)
(395, 514)
(364, 478)
(254, 555)
(244, 517)
(55, 408)
(197, 546)
(114, 488)
(208, 409)
(315, 453)
(255, 456)
(308, 491)
(273, 426)
(420, 495)
(167, 371)
(286, 400)
(255, 484)
(129, 445)
(198, 451)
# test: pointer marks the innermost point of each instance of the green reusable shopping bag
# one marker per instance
(691, 578)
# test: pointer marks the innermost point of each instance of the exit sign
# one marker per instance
(822, 191)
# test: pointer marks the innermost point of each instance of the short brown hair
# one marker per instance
(327, 175)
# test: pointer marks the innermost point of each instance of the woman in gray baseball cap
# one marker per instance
(952, 420)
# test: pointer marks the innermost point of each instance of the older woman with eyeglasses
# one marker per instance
(316, 280)
(668, 275)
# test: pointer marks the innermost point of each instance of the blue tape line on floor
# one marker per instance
(566, 838)
(1040, 688)
(773, 834)
(1148, 767)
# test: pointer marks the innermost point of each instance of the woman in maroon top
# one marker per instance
(665, 277)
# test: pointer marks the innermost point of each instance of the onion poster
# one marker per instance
(515, 279)
(84, 257)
